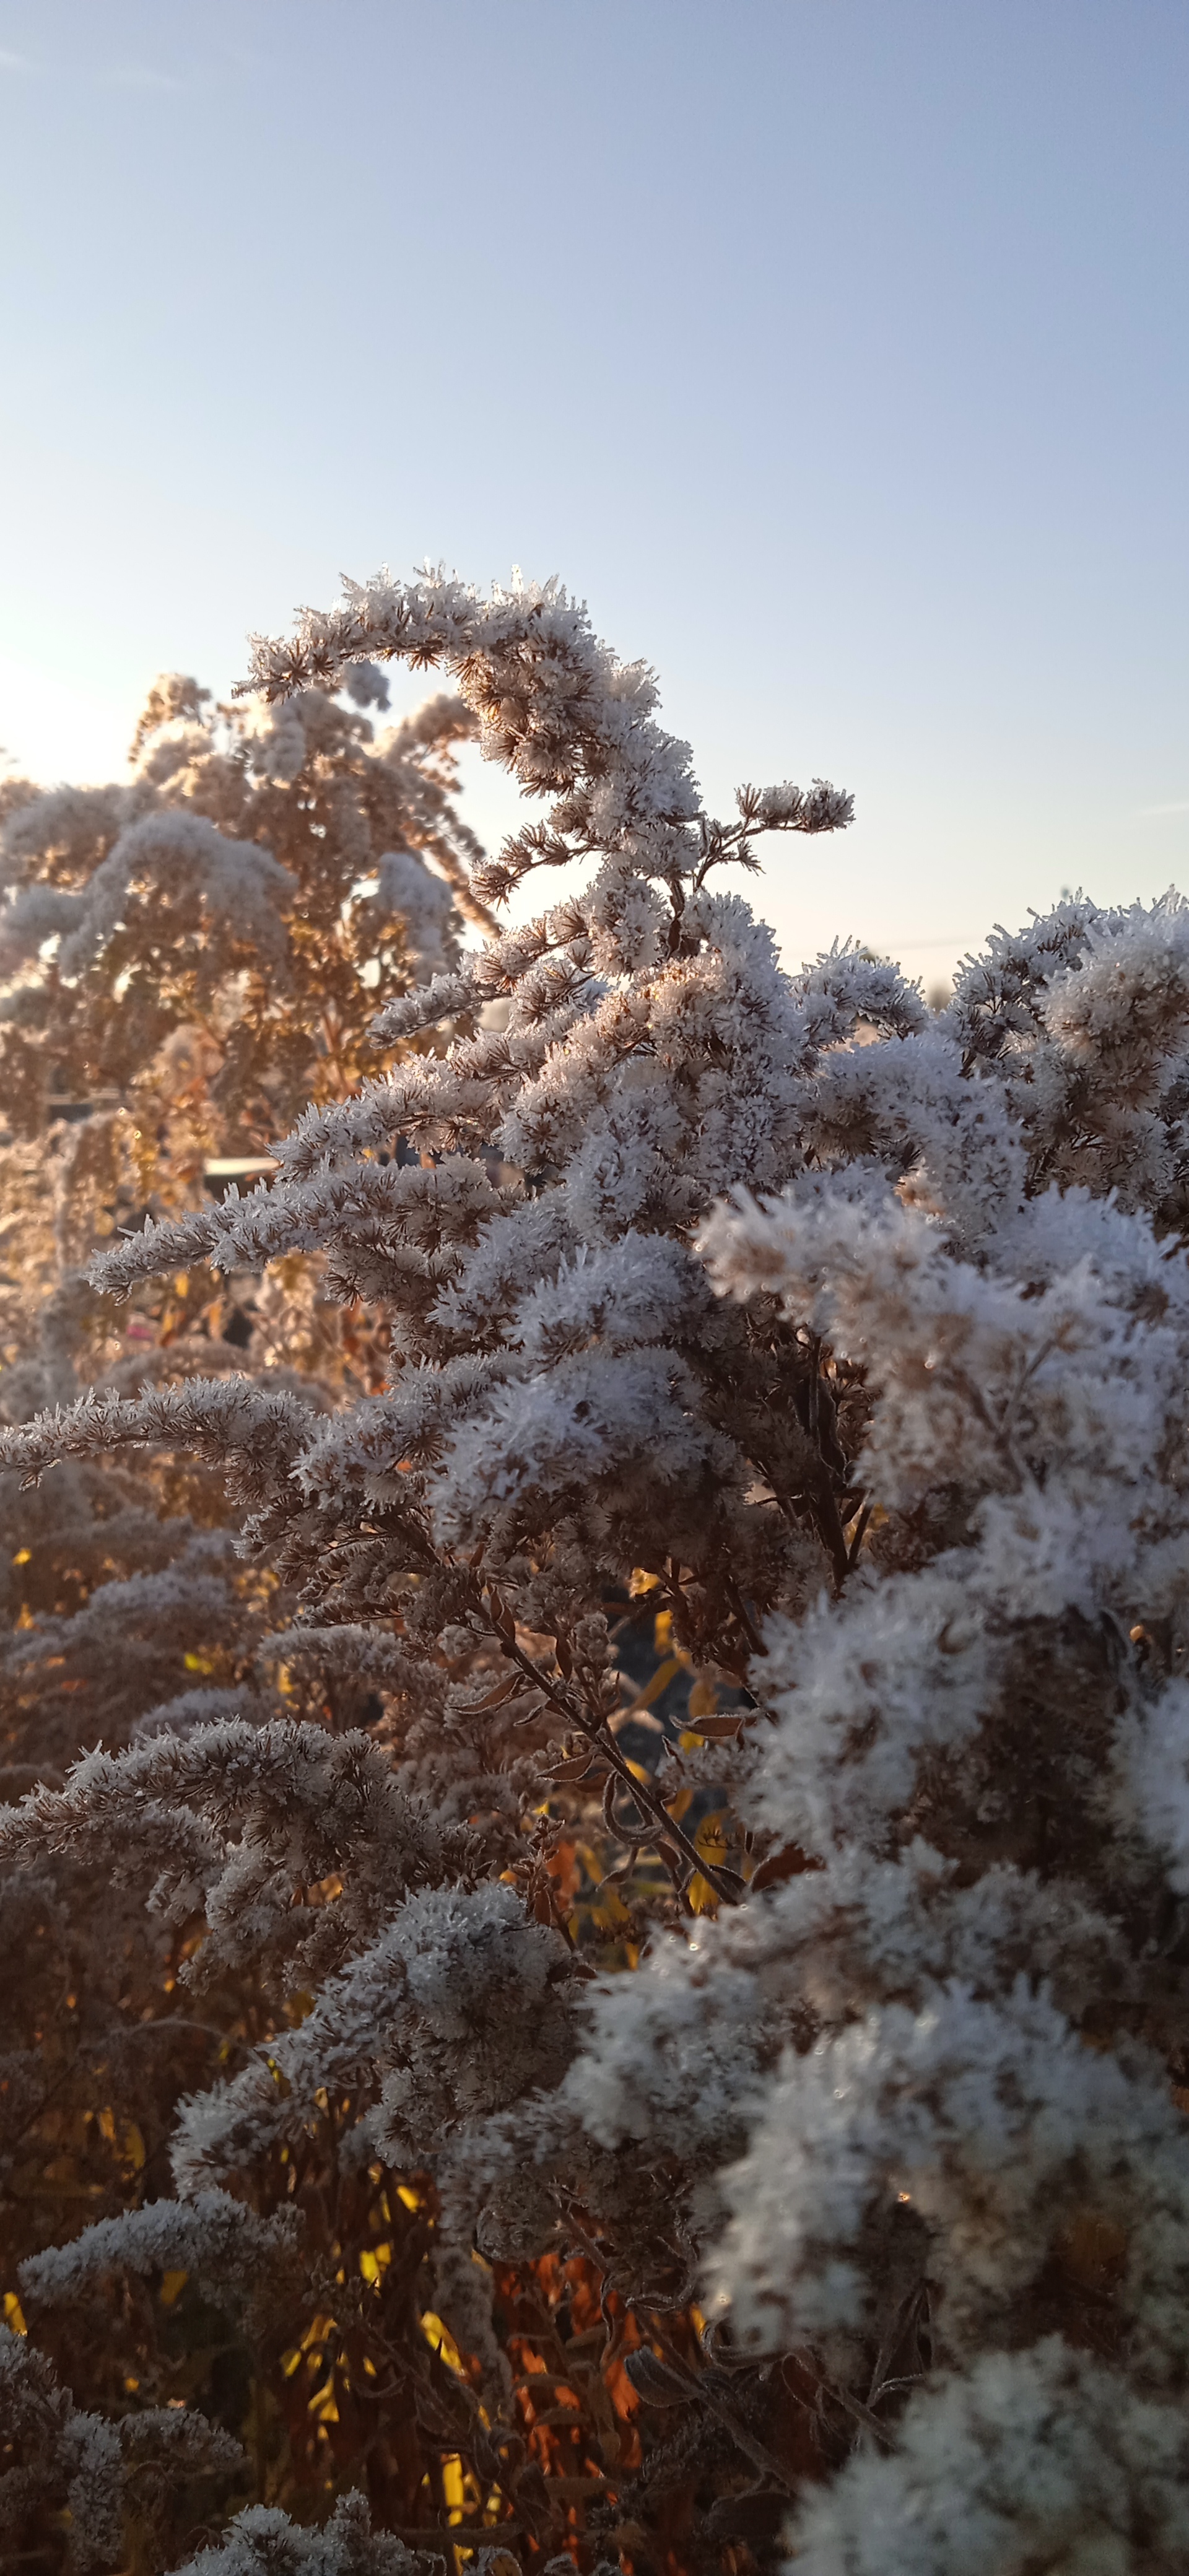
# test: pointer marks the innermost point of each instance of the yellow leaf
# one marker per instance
(701, 1895)
(172, 2286)
(318, 2331)
(14, 2314)
(134, 2146)
(657, 1682)
(703, 1699)
(441, 2339)
(610, 1911)
(411, 2199)
(642, 1582)
(322, 2404)
(22, 1556)
(710, 1840)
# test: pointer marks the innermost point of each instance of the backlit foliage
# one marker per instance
(679, 1917)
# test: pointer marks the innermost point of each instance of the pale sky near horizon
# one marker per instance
(836, 351)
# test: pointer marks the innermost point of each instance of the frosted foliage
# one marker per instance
(1057, 2462)
(404, 887)
(461, 2008)
(670, 2051)
(186, 881)
(264, 2542)
(238, 1817)
(847, 1342)
(206, 944)
(225, 2245)
(77, 2465)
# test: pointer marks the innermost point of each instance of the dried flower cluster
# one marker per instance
(848, 1346)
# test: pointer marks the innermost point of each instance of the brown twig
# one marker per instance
(598, 1734)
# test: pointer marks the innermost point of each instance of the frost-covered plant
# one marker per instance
(185, 957)
(61, 2468)
(852, 1341)
(206, 942)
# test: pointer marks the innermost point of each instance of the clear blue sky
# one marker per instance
(835, 350)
